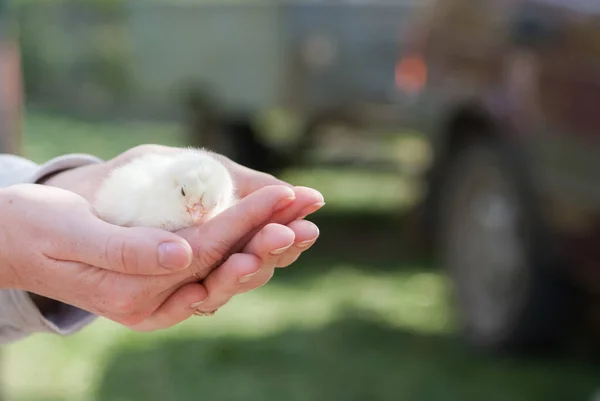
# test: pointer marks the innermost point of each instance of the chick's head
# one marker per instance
(202, 185)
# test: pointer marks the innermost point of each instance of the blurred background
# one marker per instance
(456, 142)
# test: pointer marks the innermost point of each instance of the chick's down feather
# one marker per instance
(167, 191)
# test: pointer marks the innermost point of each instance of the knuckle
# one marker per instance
(140, 150)
(145, 148)
(237, 258)
(250, 215)
(134, 152)
(142, 327)
(265, 278)
(258, 281)
(213, 253)
(253, 220)
(112, 251)
(129, 258)
(133, 319)
(216, 303)
(253, 213)
(288, 260)
(270, 178)
(121, 256)
(125, 304)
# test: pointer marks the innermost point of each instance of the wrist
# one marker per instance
(9, 255)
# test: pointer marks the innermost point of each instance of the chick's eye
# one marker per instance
(182, 191)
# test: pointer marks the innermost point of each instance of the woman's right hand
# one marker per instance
(52, 244)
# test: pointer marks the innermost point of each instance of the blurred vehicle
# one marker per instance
(10, 86)
(511, 106)
(287, 69)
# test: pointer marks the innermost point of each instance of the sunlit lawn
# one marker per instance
(49, 136)
(330, 328)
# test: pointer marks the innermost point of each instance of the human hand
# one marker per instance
(113, 271)
(86, 181)
(254, 251)
(248, 181)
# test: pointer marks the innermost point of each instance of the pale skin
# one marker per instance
(119, 273)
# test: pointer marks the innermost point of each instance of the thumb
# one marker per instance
(135, 250)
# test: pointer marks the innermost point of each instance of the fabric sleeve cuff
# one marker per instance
(68, 320)
(62, 163)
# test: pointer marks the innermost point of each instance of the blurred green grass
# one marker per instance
(48, 136)
(350, 321)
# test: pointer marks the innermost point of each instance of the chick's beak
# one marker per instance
(196, 211)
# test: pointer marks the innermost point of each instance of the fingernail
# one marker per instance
(310, 209)
(281, 250)
(174, 256)
(197, 304)
(284, 203)
(306, 244)
(247, 277)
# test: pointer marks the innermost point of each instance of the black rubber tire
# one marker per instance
(537, 312)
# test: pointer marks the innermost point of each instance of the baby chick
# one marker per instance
(170, 192)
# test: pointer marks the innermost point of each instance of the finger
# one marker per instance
(268, 245)
(305, 234)
(307, 201)
(271, 242)
(176, 309)
(213, 242)
(135, 250)
(231, 279)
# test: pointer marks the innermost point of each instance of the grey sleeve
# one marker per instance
(19, 316)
